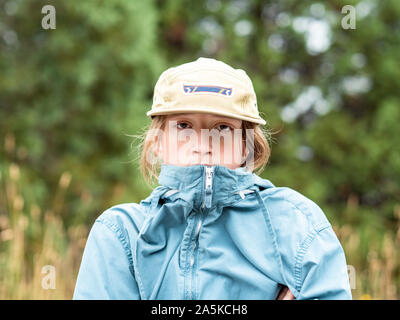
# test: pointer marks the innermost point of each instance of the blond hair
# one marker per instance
(150, 164)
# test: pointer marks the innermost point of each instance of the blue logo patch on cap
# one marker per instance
(193, 89)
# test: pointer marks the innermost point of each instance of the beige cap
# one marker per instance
(209, 86)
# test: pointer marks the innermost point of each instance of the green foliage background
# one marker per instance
(70, 97)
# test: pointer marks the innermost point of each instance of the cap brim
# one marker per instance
(204, 110)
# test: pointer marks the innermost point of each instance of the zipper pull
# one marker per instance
(208, 188)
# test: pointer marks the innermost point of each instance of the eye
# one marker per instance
(224, 128)
(182, 125)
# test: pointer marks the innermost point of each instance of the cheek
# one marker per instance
(180, 144)
(232, 143)
(171, 146)
(174, 147)
(231, 148)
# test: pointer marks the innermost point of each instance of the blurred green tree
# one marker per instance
(70, 95)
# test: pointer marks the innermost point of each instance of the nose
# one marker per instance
(202, 147)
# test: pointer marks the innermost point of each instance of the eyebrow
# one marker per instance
(215, 119)
(233, 122)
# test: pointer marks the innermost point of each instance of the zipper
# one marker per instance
(209, 171)
(208, 187)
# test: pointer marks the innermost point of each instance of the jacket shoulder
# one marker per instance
(292, 210)
(311, 257)
(126, 218)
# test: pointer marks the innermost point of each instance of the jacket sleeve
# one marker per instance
(106, 270)
(321, 269)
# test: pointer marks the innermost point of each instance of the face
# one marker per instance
(202, 138)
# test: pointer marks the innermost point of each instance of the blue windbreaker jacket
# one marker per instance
(210, 232)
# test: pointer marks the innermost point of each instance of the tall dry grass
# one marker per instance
(32, 238)
(375, 258)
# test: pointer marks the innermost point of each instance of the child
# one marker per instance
(212, 229)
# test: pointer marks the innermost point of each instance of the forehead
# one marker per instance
(205, 117)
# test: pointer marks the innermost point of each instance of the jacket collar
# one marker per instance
(223, 178)
(191, 182)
